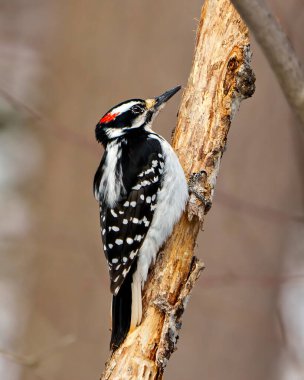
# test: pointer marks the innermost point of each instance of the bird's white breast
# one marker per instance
(171, 201)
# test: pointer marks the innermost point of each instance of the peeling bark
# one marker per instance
(220, 79)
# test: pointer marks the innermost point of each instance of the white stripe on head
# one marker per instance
(124, 107)
(139, 121)
(117, 132)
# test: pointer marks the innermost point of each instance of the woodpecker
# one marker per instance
(142, 191)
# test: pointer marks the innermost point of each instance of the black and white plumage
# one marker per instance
(142, 191)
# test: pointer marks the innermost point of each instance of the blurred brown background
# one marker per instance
(62, 65)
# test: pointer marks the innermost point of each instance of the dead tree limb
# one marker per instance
(220, 78)
(277, 49)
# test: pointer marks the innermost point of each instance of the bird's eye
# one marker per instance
(137, 109)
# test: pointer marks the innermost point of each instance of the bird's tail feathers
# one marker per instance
(136, 312)
(126, 309)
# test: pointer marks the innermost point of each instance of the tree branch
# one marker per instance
(277, 49)
(220, 78)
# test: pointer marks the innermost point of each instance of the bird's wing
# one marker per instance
(125, 226)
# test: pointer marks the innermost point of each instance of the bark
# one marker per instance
(220, 79)
(277, 49)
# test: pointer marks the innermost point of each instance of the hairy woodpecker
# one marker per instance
(142, 191)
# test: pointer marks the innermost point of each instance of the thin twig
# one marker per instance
(34, 360)
(277, 49)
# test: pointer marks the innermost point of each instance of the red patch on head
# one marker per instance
(108, 117)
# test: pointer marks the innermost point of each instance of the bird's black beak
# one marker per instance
(162, 99)
(158, 103)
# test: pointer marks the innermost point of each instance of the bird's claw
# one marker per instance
(195, 187)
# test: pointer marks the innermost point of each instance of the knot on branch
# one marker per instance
(173, 315)
(239, 81)
(199, 202)
(245, 79)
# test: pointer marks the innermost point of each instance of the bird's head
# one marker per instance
(130, 116)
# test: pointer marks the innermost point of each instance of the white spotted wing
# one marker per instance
(125, 226)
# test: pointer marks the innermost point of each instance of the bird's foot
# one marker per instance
(195, 186)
